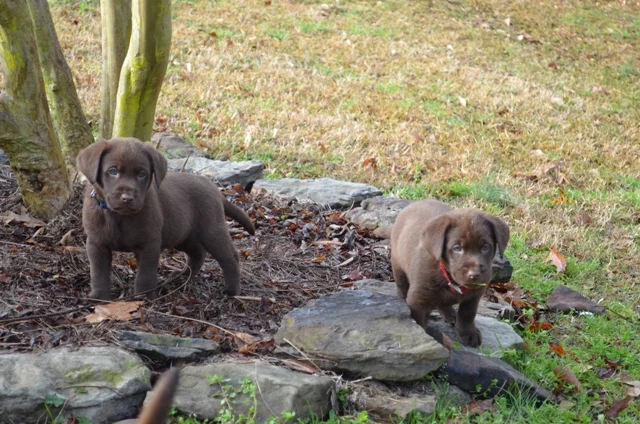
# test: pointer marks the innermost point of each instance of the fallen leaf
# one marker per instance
(583, 219)
(480, 407)
(319, 259)
(537, 326)
(553, 65)
(462, 101)
(301, 366)
(25, 219)
(557, 260)
(567, 376)
(245, 338)
(117, 311)
(558, 349)
(354, 275)
(370, 162)
(634, 388)
(605, 373)
(618, 407)
(67, 238)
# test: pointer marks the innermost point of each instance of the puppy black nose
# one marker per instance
(126, 197)
(473, 274)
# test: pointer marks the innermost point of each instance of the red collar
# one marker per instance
(453, 286)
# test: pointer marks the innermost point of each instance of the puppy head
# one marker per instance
(467, 241)
(123, 169)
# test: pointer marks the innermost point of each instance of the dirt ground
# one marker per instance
(300, 252)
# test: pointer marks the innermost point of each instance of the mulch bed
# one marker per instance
(300, 252)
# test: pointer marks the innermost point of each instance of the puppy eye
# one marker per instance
(456, 249)
(142, 174)
(113, 171)
(486, 248)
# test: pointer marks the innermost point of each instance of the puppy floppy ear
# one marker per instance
(89, 160)
(158, 165)
(434, 235)
(500, 232)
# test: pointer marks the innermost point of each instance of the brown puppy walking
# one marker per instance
(134, 205)
(441, 257)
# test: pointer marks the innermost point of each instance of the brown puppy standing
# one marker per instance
(134, 205)
(441, 257)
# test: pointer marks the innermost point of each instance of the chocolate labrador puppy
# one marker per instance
(134, 205)
(441, 257)
(157, 409)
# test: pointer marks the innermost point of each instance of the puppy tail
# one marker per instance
(157, 410)
(238, 215)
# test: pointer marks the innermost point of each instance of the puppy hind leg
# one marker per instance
(402, 282)
(221, 248)
(195, 259)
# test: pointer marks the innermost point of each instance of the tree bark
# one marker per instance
(143, 69)
(116, 34)
(26, 132)
(73, 131)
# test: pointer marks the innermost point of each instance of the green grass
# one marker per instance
(546, 136)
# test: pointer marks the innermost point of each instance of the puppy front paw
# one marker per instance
(100, 294)
(470, 335)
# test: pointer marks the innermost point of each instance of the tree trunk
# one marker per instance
(143, 69)
(116, 33)
(26, 132)
(73, 131)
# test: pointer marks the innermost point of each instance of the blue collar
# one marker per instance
(101, 203)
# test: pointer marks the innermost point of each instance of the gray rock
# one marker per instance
(225, 173)
(362, 333)
(103, 384)
(486, 308)
(471, 371)
(391, 408)
(563, 299)
(382, 287)
(163, 347)
(323, 191)
(175, 146)
(377, 212)
(496, 336)
(280, 390)
(4, 160)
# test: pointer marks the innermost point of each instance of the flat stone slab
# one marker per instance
(362, 333)
(102, 384)
(174, 146)
(496, 336)
(323, 191)
(487, 377)
(377, 212)
(563, 299)
(163, 347)
(486, 308)
(225, 173)
(280, 390)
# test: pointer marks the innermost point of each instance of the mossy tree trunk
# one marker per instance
(73, 131)
(143, 69)
(26, 131)
(116, 33)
